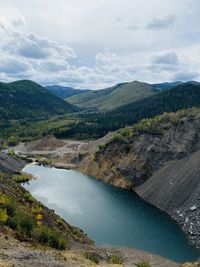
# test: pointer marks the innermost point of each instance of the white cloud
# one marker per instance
(166, 58)
(12, 65)
(162, 23)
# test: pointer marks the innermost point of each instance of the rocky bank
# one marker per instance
(160, 160)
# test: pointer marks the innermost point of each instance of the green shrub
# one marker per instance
(3, 216)
(63, 243)
(22, 178)
(11, 152)
(126, 132)
(28, 197)
(54, 240)
(143, 264)
(91, 256)
(26, 226)
(12, 141)
(7, 204)
(10, 207)
(46, 236)
(42, 234)
(77, 235)
(118, 139)
(43, 161)
(115, 259)
(12, 223)
(25, 158)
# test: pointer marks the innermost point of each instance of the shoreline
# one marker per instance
(64, 162)
(60, 165)
(148, 252)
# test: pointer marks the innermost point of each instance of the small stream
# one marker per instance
(110, 216)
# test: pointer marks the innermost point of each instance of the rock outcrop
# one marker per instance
(10, 164)
(134, 159)
(162, 165)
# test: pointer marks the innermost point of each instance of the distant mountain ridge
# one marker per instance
(26, 99)
(113, 97)
(183, 96)
(170, 85)
(64, 92)
(110, 98)
(166, 85)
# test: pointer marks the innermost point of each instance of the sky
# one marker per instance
(98, 43)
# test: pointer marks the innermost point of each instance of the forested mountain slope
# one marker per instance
(113, 97)
(26, 99)
(182, 96)
(65, 92)
(166, 85)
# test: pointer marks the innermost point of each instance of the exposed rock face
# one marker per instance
(163, 167)
(10, 164)
(147, 153)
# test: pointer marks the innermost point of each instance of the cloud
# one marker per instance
(106, 57)
(12, 65)
(36, 47)
(166, 58)
(132, 27)
(162, 23)
(186, 75)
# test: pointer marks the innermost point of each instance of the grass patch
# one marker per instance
(143, 264)
(22, 178)
(115, 259)
(46, 236)
(92, 256)
(43, 161)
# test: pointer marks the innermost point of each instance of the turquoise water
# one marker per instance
(108, 215)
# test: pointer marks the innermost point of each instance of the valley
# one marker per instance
(134, 158)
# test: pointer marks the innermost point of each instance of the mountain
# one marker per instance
(183, 96)
(186, 95)
(113, 97)
(65, 92)
(27, 99)
(166, 85)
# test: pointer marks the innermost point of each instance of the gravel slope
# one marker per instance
(175, 189)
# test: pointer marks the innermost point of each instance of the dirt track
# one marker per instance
(16, 254)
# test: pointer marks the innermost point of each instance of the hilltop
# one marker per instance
(28, 100)
(113, 97)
